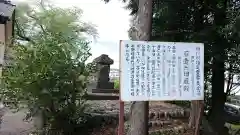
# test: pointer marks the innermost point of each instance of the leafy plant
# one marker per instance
(116, 84)
(47, 73)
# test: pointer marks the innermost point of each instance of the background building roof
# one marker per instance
(6, 10)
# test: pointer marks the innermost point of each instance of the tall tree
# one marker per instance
(141, 30)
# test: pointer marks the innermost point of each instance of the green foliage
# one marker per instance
(44, 19)
(48, 73)
(116, 84)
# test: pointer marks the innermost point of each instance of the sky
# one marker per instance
(112, 22)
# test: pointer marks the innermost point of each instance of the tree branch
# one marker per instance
(20, 33)
(42, 5)
(40, 25)
(229, 80)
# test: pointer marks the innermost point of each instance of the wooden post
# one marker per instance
(2, 48)
(193, 114)
(121, 118)
(143, 29)
(121, 103)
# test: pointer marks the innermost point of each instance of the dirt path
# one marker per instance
(13, 124)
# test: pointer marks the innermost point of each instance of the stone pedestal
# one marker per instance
(105, 85)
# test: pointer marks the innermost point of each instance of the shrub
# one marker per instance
(45, 78)
(116, 84)
(48, 74)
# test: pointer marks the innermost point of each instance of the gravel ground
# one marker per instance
(13, 123)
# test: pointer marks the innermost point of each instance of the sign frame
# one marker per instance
(178, 45)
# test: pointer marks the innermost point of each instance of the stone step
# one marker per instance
(164, 123)
(158, 124)
(94, 96)
(153, 116)
(171, 114)
(181, 129)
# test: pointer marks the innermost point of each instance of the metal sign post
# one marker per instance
(121, 118)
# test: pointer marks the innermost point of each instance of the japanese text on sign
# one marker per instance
(161, 71)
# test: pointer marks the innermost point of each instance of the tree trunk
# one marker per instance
(139, 110)
(216, 114)
(199, 14)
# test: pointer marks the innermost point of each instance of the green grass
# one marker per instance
(232, 128)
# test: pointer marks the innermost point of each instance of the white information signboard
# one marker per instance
(151, 71)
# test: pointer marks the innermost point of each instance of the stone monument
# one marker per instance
(103, 63)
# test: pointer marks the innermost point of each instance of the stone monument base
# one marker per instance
(105, 85)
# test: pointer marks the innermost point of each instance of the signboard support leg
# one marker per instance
(198, 123)
(121, 118)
